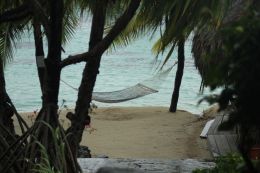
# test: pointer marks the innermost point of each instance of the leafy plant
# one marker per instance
(43, 164)
(232, 163)
(238, 73)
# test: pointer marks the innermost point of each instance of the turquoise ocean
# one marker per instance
(120, 68)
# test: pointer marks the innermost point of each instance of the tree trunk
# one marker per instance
(6, 111)
(52, 62)
(81, 117)
(178, 78)
(52, 70)
(39, 52)
(50, 82)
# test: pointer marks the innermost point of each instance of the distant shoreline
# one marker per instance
(126, 107)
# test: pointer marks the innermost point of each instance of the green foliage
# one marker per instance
(232, 163)
(30, 153)
(238, 52)
(70, 20)
(175, 19)
(44, 165)
(9, 34)
(239, 73)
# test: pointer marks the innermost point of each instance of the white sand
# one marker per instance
(145, 132)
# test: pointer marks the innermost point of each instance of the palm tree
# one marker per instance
(9, 34)
(98, 45)
(175, 20)
(143, 21)
(223, 57)
(50, 82)
(50, 78)
(39, 52)
(138, 16)
(81, 117)
(6, 111)
(178, 78)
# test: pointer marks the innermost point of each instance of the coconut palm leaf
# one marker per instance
(175, 19)
(7, 4)
(9, 35)
(206, 39)
(70, 20)
(10, 32)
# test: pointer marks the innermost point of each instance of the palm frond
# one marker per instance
(186, 16)
(9, 35)
(70, 20)
(175, 19)
(7, 4)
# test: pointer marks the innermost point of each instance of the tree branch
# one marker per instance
(102, 46)
(74, 59)
(16, 14)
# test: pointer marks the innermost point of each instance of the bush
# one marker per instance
(232, 163)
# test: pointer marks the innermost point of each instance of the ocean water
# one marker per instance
(120, 68)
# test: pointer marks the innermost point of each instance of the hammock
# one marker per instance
(144, 88)
(130, 93)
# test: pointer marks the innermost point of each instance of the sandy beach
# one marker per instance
(143, 132)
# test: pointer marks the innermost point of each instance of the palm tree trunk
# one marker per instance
(39, 52)
(81, 117)
(178, 78)
(50, 82)
(52, 62)
(6, 111)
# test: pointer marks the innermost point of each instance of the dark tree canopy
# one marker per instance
(238, 73)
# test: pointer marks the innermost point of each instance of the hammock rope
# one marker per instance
(144, 88)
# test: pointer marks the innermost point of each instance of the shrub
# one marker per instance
(232, 163)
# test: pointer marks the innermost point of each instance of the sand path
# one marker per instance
(145, 132)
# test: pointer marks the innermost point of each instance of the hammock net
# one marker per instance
(144, 88)
(126, 94)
